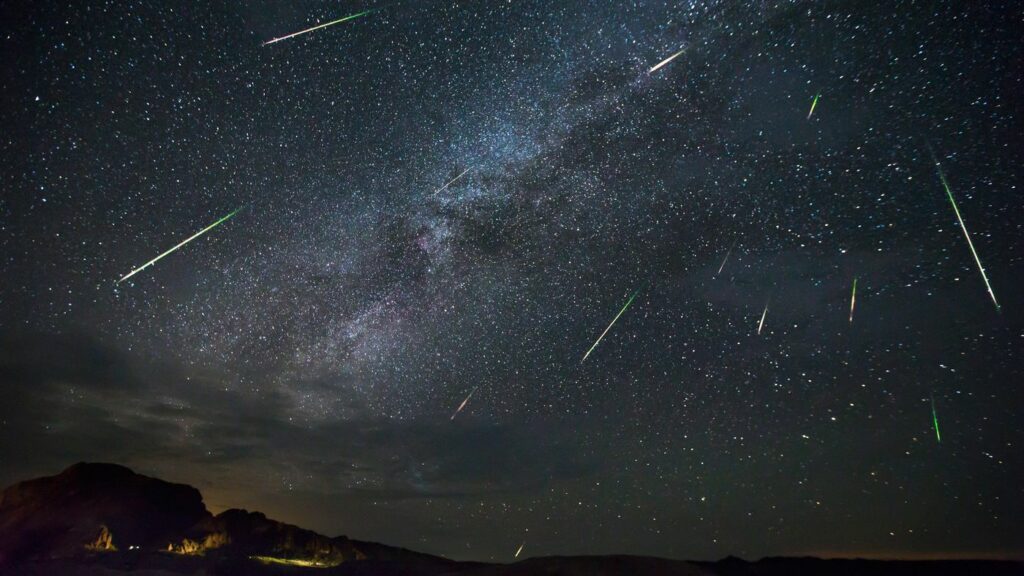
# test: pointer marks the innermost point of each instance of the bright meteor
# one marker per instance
(853, 298)
(189, 239)
(813, 104)
(598, 341)
(463, 405)
(520, 549)
(761, 323)
(949, 194)
(325, 25)
(666, 61)
(450, 182)
(935, 422)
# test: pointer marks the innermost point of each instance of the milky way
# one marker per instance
(456, 196)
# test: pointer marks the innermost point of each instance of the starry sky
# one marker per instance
(305, 357)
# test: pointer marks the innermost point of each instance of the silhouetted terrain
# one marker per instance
(103, 519)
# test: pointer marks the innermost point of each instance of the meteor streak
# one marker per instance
(853, 298)
(598, 341)
(935, 422)
(726, 259)
(463, 405)
(325, 25)
(666, 61)
(970, 244)
(520, 549)
(761, 323)
(189, 239)
(813, 104)
(450, 182)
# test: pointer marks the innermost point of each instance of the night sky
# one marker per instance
(305, 357)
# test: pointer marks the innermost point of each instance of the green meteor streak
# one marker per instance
(935, 421)
(190, 238)
(970, 244)
(598, 341)
(325, 25)
(813, 104)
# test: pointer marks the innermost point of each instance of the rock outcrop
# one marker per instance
(92, 510)
(95, 507)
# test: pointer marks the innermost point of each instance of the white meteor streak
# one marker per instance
(761, 323)
(450, 182)
(726, 259)
(520, 549)
(853, 298)
(325, 25)
(666, 61)
(614, 320)
(970, 244)
(463, 405)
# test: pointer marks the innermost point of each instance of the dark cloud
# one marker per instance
(100, 404)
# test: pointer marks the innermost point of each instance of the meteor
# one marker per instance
(761, 323)
(463, 405)
(325, 25)
(726, 259)
(813, 104)
(853, 297)
(189, 239)
(666, 61)
(970, 244)
(450, 182)
(598, 341)
(520, 549)
(935, 422)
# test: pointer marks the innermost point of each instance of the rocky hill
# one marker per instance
(105, 520)
(99, 513)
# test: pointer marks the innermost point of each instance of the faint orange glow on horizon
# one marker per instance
(917, 555)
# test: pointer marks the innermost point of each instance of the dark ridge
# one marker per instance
(105, 520)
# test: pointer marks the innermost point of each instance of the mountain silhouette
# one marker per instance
(104, 519)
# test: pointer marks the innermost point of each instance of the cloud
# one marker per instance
(77, 399)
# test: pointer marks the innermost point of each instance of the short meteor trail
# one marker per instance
(853, 298)
(520, 549)
(970, 244)
(189, 239)
(598, 341)
(666, 61)
(935, 422)
(325, 25)
(450, 182)
(726, 259)
(463, 405)
(761, 323)
(813, 104)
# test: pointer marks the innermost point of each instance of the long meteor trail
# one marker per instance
(853, 298)
(450, 182)
(189, 239)
(935, 422)
(319, 26)
(598, 341)
(463, 405)
(520, 549)
(970, 244)
(761, 323)
(666, 61)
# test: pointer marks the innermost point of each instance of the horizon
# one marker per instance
(1011, 556)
